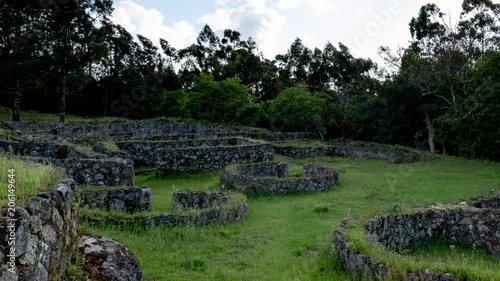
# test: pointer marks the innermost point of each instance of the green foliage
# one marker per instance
(296, 109)
(174, 103)
(251, 115)
(479, 129)
(217, 101)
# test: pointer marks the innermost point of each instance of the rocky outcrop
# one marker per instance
(270, 178)
(130, 200)
(44, 231)
(105, 259)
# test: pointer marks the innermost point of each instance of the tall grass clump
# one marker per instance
(29, 178)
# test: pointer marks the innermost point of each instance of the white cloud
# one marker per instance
(319, 6)
(150, 23)
(259, 19)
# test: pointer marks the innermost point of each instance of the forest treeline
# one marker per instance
(441, 92)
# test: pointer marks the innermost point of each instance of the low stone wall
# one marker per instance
(85, 169)
(297, 152)
(203, 159)
(350, 149)
(202, 208)
(46, 234)
(269, 178)
(358, 149)
(35, 149)
(100, 172)
(396, 232)
(125, 130)
(131, 200)
(266, 169)
(146, 153)
(198, 199)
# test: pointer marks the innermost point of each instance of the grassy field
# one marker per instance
(6, 115)
(290, 237)
(26, 179)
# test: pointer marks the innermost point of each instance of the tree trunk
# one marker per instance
(62, 114)
(430, 129)
(16, 110)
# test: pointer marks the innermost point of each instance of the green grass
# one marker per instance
(302, 143)
(6, 115)
(110, 145)
(458, 255)
(462, 261)
(29, 179)
(290, 237)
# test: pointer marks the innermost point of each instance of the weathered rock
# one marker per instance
(106, 259)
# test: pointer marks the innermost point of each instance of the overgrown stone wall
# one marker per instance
(100, 172)
(272, 180)
(202, 159)
(143, 129)
(85, 169)
(395, 232)
(350, 149)
(198, 199)
(266, 169)
(146, 153)
(297, 152)
(131, 200)
(35, 149)
(194, 207)
(46, 234)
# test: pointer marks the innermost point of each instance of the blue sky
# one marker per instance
(274, 24)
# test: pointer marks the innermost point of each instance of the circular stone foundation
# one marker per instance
(272, 178)
(191, 207)
(456, 224)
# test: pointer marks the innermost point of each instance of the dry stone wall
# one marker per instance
(99, 172)
(146, 153)
(130, 200)
(270, 178)
(194, 208)
(202, 159)
(349, 149)
(85, 169)
(479, 226)
(125, 130)
(46, 234)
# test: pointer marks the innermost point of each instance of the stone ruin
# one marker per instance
(190, 208)
(130, 200)
(105, 175)
(478, 224)
(271, 178)
(349, 149)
